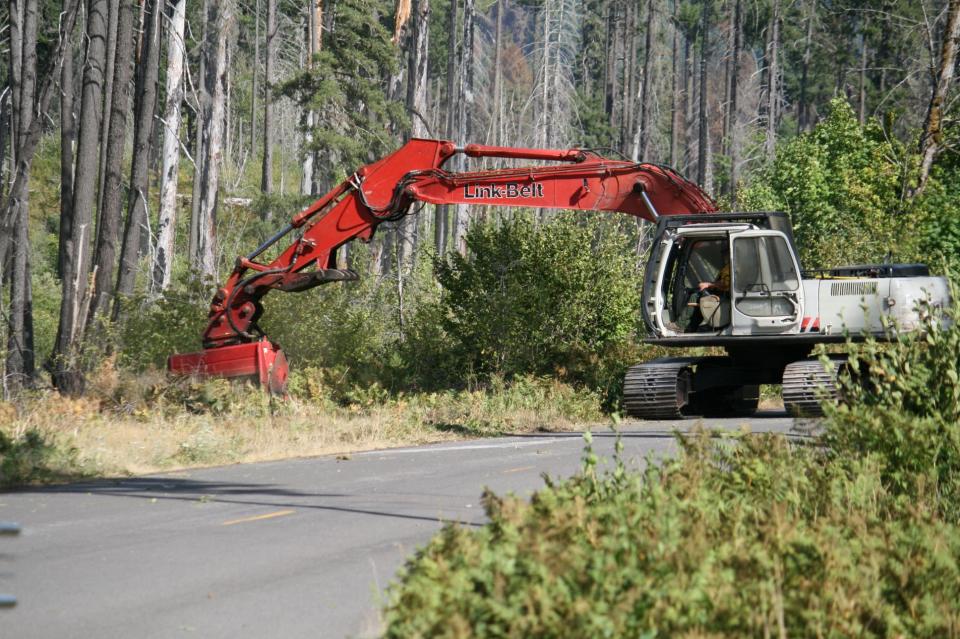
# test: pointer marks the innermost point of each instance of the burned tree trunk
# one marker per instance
(108, 222)
(67, 375)
(169, 173)
(220, 16)
(68, 137)
(145, 105)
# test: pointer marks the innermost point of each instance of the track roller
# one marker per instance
(658, 389)
(806, 385)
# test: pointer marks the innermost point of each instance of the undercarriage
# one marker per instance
(728, 386)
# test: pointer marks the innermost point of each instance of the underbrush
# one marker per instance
(902, 407)
(30, 456)
(757, 538)
(147, 422)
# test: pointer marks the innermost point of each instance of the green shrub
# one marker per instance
(902, 407)
(548, 300)
(31, 456)
(156, 327)
(843, 186)
(757, 539)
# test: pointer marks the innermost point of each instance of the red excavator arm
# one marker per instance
(384, 190)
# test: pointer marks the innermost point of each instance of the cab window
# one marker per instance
(763, 264)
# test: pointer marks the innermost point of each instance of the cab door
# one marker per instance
(766, 291)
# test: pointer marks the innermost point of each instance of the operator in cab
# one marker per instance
(720, 288)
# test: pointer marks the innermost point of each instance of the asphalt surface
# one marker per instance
(299, 548)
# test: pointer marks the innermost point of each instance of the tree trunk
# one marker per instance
(773, 72)
(200, 103)
(266, 180)
(466, 99)
(644, 125)
(496, 109)
(254, 76)
(67, 375)
(442, 214)
(675, 109)
(169, 174)
(733, 128)
(418, 82)
(68, 137)
(802, 106)
(932, 138)
(108, 94)
(108, 222)
(20, 354)
(702, 111)
(145, 105)
(220, 15)
(862, 98)
(314, 42)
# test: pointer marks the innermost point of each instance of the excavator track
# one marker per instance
(658, 389)
(806, 385)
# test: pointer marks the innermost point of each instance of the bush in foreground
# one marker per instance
(903, 410)
(758, 539)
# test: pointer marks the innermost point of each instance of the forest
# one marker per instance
(146, 143)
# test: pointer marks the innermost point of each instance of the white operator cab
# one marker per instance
(755, 287)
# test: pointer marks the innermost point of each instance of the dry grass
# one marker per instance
(150, 424)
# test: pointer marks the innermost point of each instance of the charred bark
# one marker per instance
(66, 371)
(145, 105)
(109, 219)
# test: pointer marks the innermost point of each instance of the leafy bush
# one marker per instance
(902, 407)
(30, 457)
(843, 186)
(939, 214)
(549, 300)
(755, 539)
(158, 327)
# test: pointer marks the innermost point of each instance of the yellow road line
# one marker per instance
(279, 513)
(517, 470)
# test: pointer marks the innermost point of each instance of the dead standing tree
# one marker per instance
(931, 141)
(145, 104)
(220, 18)
(77, 259)
(108, 222)
(169, 173)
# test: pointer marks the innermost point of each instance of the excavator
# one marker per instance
(713, 279)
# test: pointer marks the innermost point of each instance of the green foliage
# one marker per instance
(842, 185)
(754, 539)
(158, 327)
(939, 211)
(902, 408)
(32, 457)
(346, 87)
(548, 301)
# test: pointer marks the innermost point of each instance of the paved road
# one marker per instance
(299, 548)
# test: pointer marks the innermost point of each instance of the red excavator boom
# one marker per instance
(580, 179)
